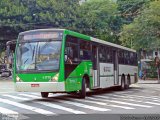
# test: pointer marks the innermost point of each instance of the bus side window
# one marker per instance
(132, 58)
(85, 50)
(126, 58)
(102, 54)
(71, 50)
(121, 57)
(109, 54)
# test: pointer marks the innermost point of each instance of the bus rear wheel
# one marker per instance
(44, 94)
(122, 87)
(127, 82)
(82, 92)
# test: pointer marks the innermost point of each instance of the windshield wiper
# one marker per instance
(25, 61)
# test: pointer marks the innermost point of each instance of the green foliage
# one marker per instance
(144, 32)
(152, 71)
(98, 18)
(20, 15)
(130, 9)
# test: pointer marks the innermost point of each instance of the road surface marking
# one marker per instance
(121, 97)
(153, 103)
(15, 97)
(84, 106)
(20, 105)
(7, 111)
(145, 97)
(31, 96)
(125, 103)
(73, 103)
(105, 104)
(49, 105)
(138, 96)
(61, 107)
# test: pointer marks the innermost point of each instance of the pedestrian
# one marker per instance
(140, 74)
(144, 74)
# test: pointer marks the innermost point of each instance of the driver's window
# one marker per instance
(71, 50)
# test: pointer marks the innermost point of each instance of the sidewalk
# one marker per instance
(147, 81)
(6, 85)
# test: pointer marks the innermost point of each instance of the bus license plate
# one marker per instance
(34, 85)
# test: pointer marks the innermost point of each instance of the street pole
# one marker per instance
(157, 62)
(158, 75)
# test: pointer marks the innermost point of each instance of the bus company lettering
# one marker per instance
(47, 77)
(72, 81)
(107, 69)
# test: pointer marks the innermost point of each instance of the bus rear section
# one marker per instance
(37, 63)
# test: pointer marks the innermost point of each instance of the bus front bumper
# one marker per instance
(40, 86)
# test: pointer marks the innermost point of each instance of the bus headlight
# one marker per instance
(18, 79)
(55, 78)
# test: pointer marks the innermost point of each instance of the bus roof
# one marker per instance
(82, 36)
(112, 44)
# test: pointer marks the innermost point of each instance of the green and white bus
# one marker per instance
(60, 60)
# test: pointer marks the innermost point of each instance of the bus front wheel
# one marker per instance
(82, 92)
(44, 94)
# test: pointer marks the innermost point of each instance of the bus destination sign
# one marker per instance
(44, 35)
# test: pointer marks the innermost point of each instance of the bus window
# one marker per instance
(71, 50)
(132, 58)
(121, 57)
(109, 54)
(126, 58)
(102, 54)
(85, 50)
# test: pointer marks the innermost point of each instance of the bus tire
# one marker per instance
(127, 82)
(82, 92)
(44, 94)
(122, 87)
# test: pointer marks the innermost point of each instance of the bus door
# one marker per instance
(95, 60)
(116, 67)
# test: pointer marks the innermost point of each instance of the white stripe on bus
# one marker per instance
(125, 103)
(7, 111)
(105, 104)
(38, 110)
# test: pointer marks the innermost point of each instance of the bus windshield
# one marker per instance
(38, 55)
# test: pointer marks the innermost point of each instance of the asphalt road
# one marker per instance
(141, 98)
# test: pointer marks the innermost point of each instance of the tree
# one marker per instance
(20, 15)
(130, 9)
(144, 32)
(98, 18)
